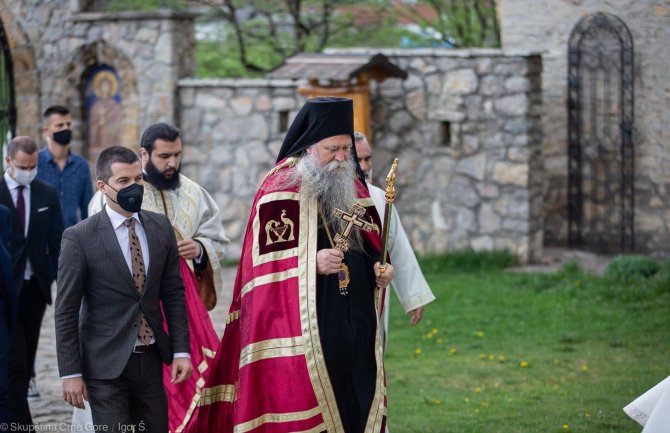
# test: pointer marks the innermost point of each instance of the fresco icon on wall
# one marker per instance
(105, 114)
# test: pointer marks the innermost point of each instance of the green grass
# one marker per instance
(591, 346)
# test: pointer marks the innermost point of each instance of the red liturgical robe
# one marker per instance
(269, 374)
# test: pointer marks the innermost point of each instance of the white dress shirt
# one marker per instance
(122, 236)
(13, 187)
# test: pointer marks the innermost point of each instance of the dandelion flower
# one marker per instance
(501, 358)
(466, 399)
(566, 427)
(452, 351)
(478, 389)
(418, 351)
(479, 333)
(492, 357)
(523, 364)
(585, 367)
(482, 356)
(434, 331)
(440, 340)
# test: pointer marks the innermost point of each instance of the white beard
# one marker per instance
(332, 185)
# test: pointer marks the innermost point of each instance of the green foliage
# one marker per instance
(631, 268)
(272, 32)
(229, 262)
(571, 281)
(221, 60)
(661, 281)
(468, 23)
(382, 35)
(262, 34)
(494, 354)
(467, 261)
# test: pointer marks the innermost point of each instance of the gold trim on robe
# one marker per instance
(275, 348)
(217, 393)
(276, 417)
(269, 278)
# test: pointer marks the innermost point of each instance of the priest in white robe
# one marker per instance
(652, 409)
(409, 283)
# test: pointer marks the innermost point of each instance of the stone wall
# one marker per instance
(55, 44)
(528, 28)
(231, 139)
(478, 186)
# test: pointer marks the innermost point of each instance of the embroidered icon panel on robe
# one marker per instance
(276, 226)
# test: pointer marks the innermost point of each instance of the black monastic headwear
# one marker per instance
(318, 119)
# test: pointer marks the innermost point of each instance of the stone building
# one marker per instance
(482, 163)
(547, 28)
(53, 46)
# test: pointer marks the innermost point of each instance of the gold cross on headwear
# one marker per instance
(354, 220)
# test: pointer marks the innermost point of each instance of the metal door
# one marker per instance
(600, 129)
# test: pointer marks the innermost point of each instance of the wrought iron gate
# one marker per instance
(7, 104)
(600, 130)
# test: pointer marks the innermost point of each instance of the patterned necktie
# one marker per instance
(21, 206)
(137, 261)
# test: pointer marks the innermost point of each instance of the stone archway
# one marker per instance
(26, 75)
(84, 59)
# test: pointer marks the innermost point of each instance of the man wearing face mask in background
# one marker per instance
(118, 277)
(65, 171)
(35, 245)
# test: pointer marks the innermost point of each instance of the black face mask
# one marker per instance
(63, 137)
(130, 197)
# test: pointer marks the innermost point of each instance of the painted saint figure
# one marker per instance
(105, 116)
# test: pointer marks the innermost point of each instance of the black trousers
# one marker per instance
(23, 347)
(136, 398)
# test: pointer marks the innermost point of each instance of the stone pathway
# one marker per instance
(50, 412)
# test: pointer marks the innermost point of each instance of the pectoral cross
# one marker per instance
(341, 243)
(354, 220)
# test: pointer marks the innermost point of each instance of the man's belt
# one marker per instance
(144, 348)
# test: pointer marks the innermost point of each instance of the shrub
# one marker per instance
(467, 261)
(631, 268)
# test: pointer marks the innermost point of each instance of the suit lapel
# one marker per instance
(111, 243)
(6, 198)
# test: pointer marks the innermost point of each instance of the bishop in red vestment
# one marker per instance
(302, 350)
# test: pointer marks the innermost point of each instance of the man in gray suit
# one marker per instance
(115, 271)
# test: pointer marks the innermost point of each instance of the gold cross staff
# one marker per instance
(354, 220)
